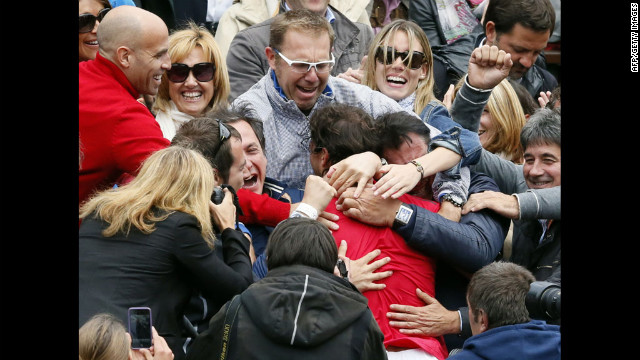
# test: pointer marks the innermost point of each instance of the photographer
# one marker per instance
(151, 243)
(499, 319)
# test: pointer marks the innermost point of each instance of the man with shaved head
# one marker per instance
(116, 131)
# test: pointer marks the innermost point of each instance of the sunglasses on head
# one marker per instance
(203, 72)
(224, 134)
(388, 55)
(87, 22)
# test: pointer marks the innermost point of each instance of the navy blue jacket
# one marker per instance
(458, 248)
(529, 341)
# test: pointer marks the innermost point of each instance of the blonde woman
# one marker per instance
(197, 81)
(399, 64)
(501, 121)
(104, 337)
(151, 243)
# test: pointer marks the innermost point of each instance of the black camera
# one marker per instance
(218, 196)
(543, 301)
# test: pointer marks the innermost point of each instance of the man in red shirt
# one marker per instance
(117, 133)
(337, 132)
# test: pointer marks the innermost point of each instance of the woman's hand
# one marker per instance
(224, 215)
(357, 168)
(397, 180)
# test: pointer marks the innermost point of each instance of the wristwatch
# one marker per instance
(452, 198)
(403, 215)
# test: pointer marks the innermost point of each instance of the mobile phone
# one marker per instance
(140, 327)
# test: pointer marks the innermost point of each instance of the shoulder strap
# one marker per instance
(229, 319)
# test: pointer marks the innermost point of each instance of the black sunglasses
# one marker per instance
(202, 72)
(224, 135)
(389, 55)
(86, 22)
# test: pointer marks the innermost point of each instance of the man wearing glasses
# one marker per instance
(117, 133)
(244, 50)
(299, 83)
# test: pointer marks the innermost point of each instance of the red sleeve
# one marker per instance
(136, 135)
(261, 209)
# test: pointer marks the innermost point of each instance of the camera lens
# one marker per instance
(217, 196)
(543, 300)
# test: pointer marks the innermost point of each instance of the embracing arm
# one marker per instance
(261, 208)
(468, 245)
(540, 203)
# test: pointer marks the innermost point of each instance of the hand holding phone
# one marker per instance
(139, 319)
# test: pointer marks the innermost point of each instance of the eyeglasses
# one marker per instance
(303, 66)
(87, 22)
(224, 135)
(203, 72)
(389, 55)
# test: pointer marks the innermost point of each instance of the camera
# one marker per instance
(218, 196)
(543, 301)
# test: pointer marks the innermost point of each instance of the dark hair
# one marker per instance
(301, 241)
(537, 15)
(543, 127)
(301, 20)
(393, 129)
(203, 135)
(528, 103)
(244, 112)
(343, 130)
(554, 100)
(500, 289)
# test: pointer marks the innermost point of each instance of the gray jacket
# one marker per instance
(247, 61)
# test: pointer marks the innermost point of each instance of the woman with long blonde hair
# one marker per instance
(151, 243)
(408, 81)
(501, 121)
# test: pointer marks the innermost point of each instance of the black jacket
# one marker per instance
(160, 270)
(295, 312)
(541, 258)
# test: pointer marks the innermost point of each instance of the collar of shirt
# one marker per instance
(327, 90)
(328, 15)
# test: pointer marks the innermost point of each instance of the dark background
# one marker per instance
(39, 180)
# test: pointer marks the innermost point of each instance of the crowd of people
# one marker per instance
(295, 178)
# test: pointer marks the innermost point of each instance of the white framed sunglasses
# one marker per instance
(303, 66)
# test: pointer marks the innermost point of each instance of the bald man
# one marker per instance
(117, 132)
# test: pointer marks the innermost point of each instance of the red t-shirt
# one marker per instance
(411, 270)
